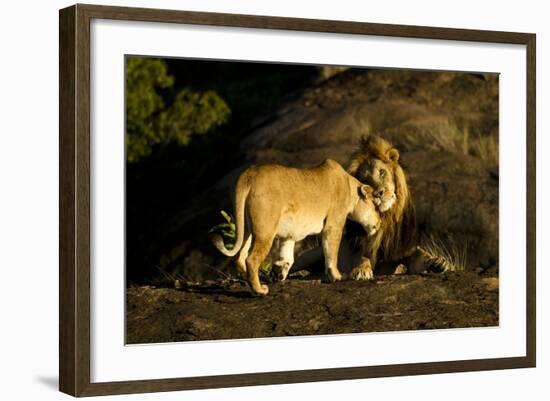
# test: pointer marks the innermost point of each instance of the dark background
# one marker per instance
(160, 183)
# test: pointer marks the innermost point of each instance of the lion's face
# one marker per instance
(376, 163)
(380, 176)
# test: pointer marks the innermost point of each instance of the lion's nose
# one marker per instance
(379, 193)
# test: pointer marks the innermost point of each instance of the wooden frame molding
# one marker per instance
(74, 199)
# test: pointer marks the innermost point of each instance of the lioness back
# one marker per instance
(293, 189)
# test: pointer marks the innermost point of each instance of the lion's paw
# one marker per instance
(334, 275)
(262, 291)
(362, 273)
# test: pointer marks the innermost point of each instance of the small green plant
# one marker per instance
(227, 230)
(265, 267)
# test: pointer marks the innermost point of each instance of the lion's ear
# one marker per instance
(365, 191)
(393, 155)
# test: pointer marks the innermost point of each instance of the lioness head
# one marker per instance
(378, 171)
(365, 212)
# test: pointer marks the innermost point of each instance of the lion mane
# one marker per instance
(397, 231)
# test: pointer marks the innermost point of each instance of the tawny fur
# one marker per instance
(291, 204)
(398, 224)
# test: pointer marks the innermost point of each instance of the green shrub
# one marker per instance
(151, 120)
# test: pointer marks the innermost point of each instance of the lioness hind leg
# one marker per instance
(259, 251)
(240, 262)
(286, 259)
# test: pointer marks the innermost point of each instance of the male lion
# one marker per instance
(291, 204)
(375, 163)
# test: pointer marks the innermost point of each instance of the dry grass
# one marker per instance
(446, 136)
(442, 256)
(451, 139)
(486, 148)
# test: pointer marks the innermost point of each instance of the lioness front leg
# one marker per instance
(331, 244)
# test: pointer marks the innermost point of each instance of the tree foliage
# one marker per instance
(152, 120)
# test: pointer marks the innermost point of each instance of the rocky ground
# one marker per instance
(226, 310)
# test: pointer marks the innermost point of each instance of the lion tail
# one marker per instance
(241, 193)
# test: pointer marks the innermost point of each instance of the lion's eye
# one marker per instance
(382, 172)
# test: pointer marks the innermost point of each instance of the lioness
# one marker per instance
(291, 203)
(376, 163)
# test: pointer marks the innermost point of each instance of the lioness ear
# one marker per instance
(365, 191)
(393, 155)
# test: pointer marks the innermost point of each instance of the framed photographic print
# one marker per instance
(278, 195)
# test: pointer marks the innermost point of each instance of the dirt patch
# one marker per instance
(226, 310)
